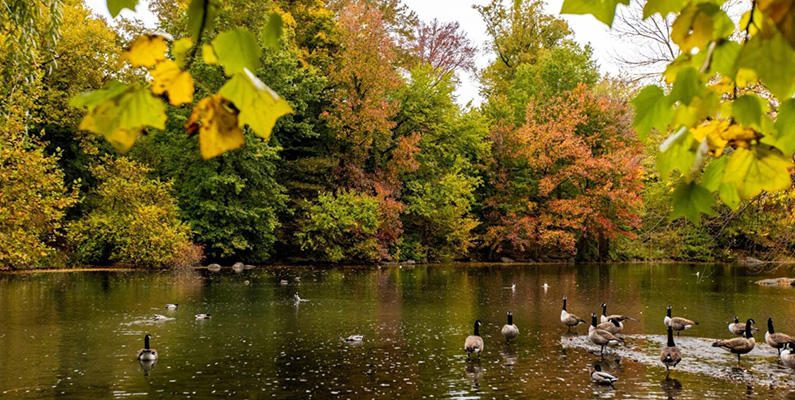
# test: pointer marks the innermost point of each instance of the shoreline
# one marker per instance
(127, 268)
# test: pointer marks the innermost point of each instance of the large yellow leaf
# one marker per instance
(757, 169)
(218, 126)
(168, 78)
(259, 105)
(146, 50)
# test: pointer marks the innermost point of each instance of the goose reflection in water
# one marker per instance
(509, 356)
(671, 387)
(147, 366)
(474, 372)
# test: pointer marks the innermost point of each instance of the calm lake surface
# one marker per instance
(75, 335)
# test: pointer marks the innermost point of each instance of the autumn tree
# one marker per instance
(566, 182)
(445, 47)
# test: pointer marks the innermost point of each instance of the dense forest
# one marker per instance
(376, 160)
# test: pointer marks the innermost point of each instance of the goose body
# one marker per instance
(601, 337)
(570, 320)
(788, 355)
(670, 355)
(159, 317)
(474, 343)
(171, 306)
(776, 340)
(509, 330)
(738, 328)
(202, 316)
(740, 345)
(612, 326)
(601, 377)
(147, 353)
(620, 318)
(677, 323)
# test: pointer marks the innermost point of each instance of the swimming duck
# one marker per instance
(677, 323)
(474, 343)
(740, 345)
(738, 328)
(354, 339)
(509, 330)
(600, 377)
(570, 320)
(147, 353)
(670, 355)
(202, 316)
(776, 340)
(601, 337)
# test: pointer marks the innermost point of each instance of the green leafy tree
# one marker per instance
(131, 219)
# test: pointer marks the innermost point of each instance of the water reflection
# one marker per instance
(259, 343)
(671, 387)
(147, 366)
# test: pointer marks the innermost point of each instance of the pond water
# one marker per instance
(75, 335)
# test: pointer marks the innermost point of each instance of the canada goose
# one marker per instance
(474, 343)
(509, 330)
(159, 317)
(788, 355)
(619, 318)
(774, 339)
(147, 353)
(283, 282)
(670, 355)
(171, 306)
(297, 279)
(740, 345)
(600, 377)
(738, 328)
(569, 320)
(612, 326)
(677, 323)
(202, 316)
(354, 339)
(601, 337)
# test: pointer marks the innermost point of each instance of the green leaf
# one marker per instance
(201, 16)
(237, 50)
(115, 6)
(121, 119)
(713, 174)
(690, 200)
(180, 49)
(652, 111)
(679, 154)
(603, 10)
(747, 110)
(687, 85)
(259, 106)
(664, 7)
(272, 32)
(785, 128)
(773, 61)
(724, 58)
(94, 98)
(728, 195)
(758, 169)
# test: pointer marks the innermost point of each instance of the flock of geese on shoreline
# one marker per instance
(605, 333)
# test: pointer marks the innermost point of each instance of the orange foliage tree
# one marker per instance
(566, 182)
(362, 116)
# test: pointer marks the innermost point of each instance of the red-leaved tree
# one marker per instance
(566, 182)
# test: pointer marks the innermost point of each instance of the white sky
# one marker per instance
(586, 30)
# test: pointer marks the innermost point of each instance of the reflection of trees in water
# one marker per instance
(756, 269)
